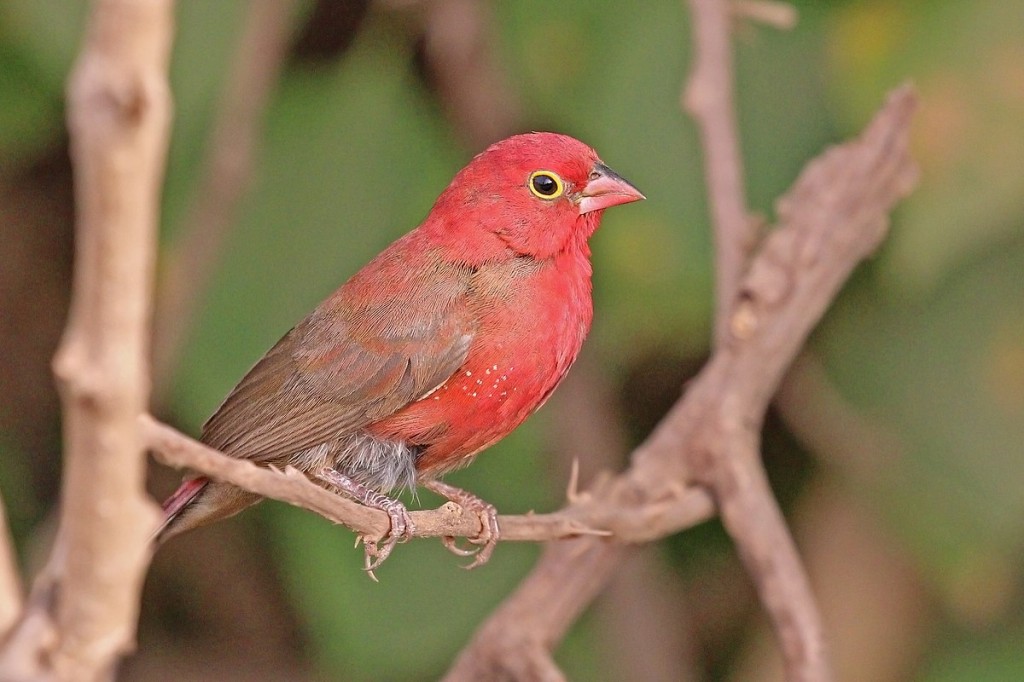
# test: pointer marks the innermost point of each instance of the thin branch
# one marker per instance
(10, 578)
(82, 612)
(586, 517)
(835, 215)
(227, 171)
(708, 96)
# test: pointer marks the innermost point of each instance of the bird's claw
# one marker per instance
(488, 537)
(489, 534)
(402, 527)
(449, 542)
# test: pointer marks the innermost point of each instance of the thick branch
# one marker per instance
(10, 578)
(119, 112)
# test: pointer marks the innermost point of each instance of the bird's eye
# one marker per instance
(546, 185)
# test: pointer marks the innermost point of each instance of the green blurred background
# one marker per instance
(897, 449)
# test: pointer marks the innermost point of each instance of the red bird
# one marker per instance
(439, 347)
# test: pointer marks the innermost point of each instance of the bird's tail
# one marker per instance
(199, 501)
(175, 505)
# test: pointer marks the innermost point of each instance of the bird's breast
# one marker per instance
(533, 318)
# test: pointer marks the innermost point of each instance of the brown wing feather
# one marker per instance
(346, 366)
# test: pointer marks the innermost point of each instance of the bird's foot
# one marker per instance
(402, 527)
(489, 535)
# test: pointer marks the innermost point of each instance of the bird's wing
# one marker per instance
(341, 368)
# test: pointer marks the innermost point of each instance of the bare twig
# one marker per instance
(191, 259)
(587, 517)
(119, 113)
(736, 476)
(833, 217)
(709, 97)
(10, 578)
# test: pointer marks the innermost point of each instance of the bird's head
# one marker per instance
(538, 193)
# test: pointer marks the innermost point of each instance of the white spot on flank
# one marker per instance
(468, 373)
(473, 394)
(494, 367)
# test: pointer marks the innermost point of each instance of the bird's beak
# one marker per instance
(606, 188)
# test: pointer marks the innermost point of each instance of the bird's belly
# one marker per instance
(491, 394)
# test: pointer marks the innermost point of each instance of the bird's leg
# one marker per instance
(402, 527)
(489, 533)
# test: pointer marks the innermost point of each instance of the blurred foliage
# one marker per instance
(931, 342)
(996, 658)
(927, 341)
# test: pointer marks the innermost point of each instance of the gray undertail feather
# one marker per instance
(382, 465)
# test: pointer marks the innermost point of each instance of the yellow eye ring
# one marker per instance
(546, 185)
